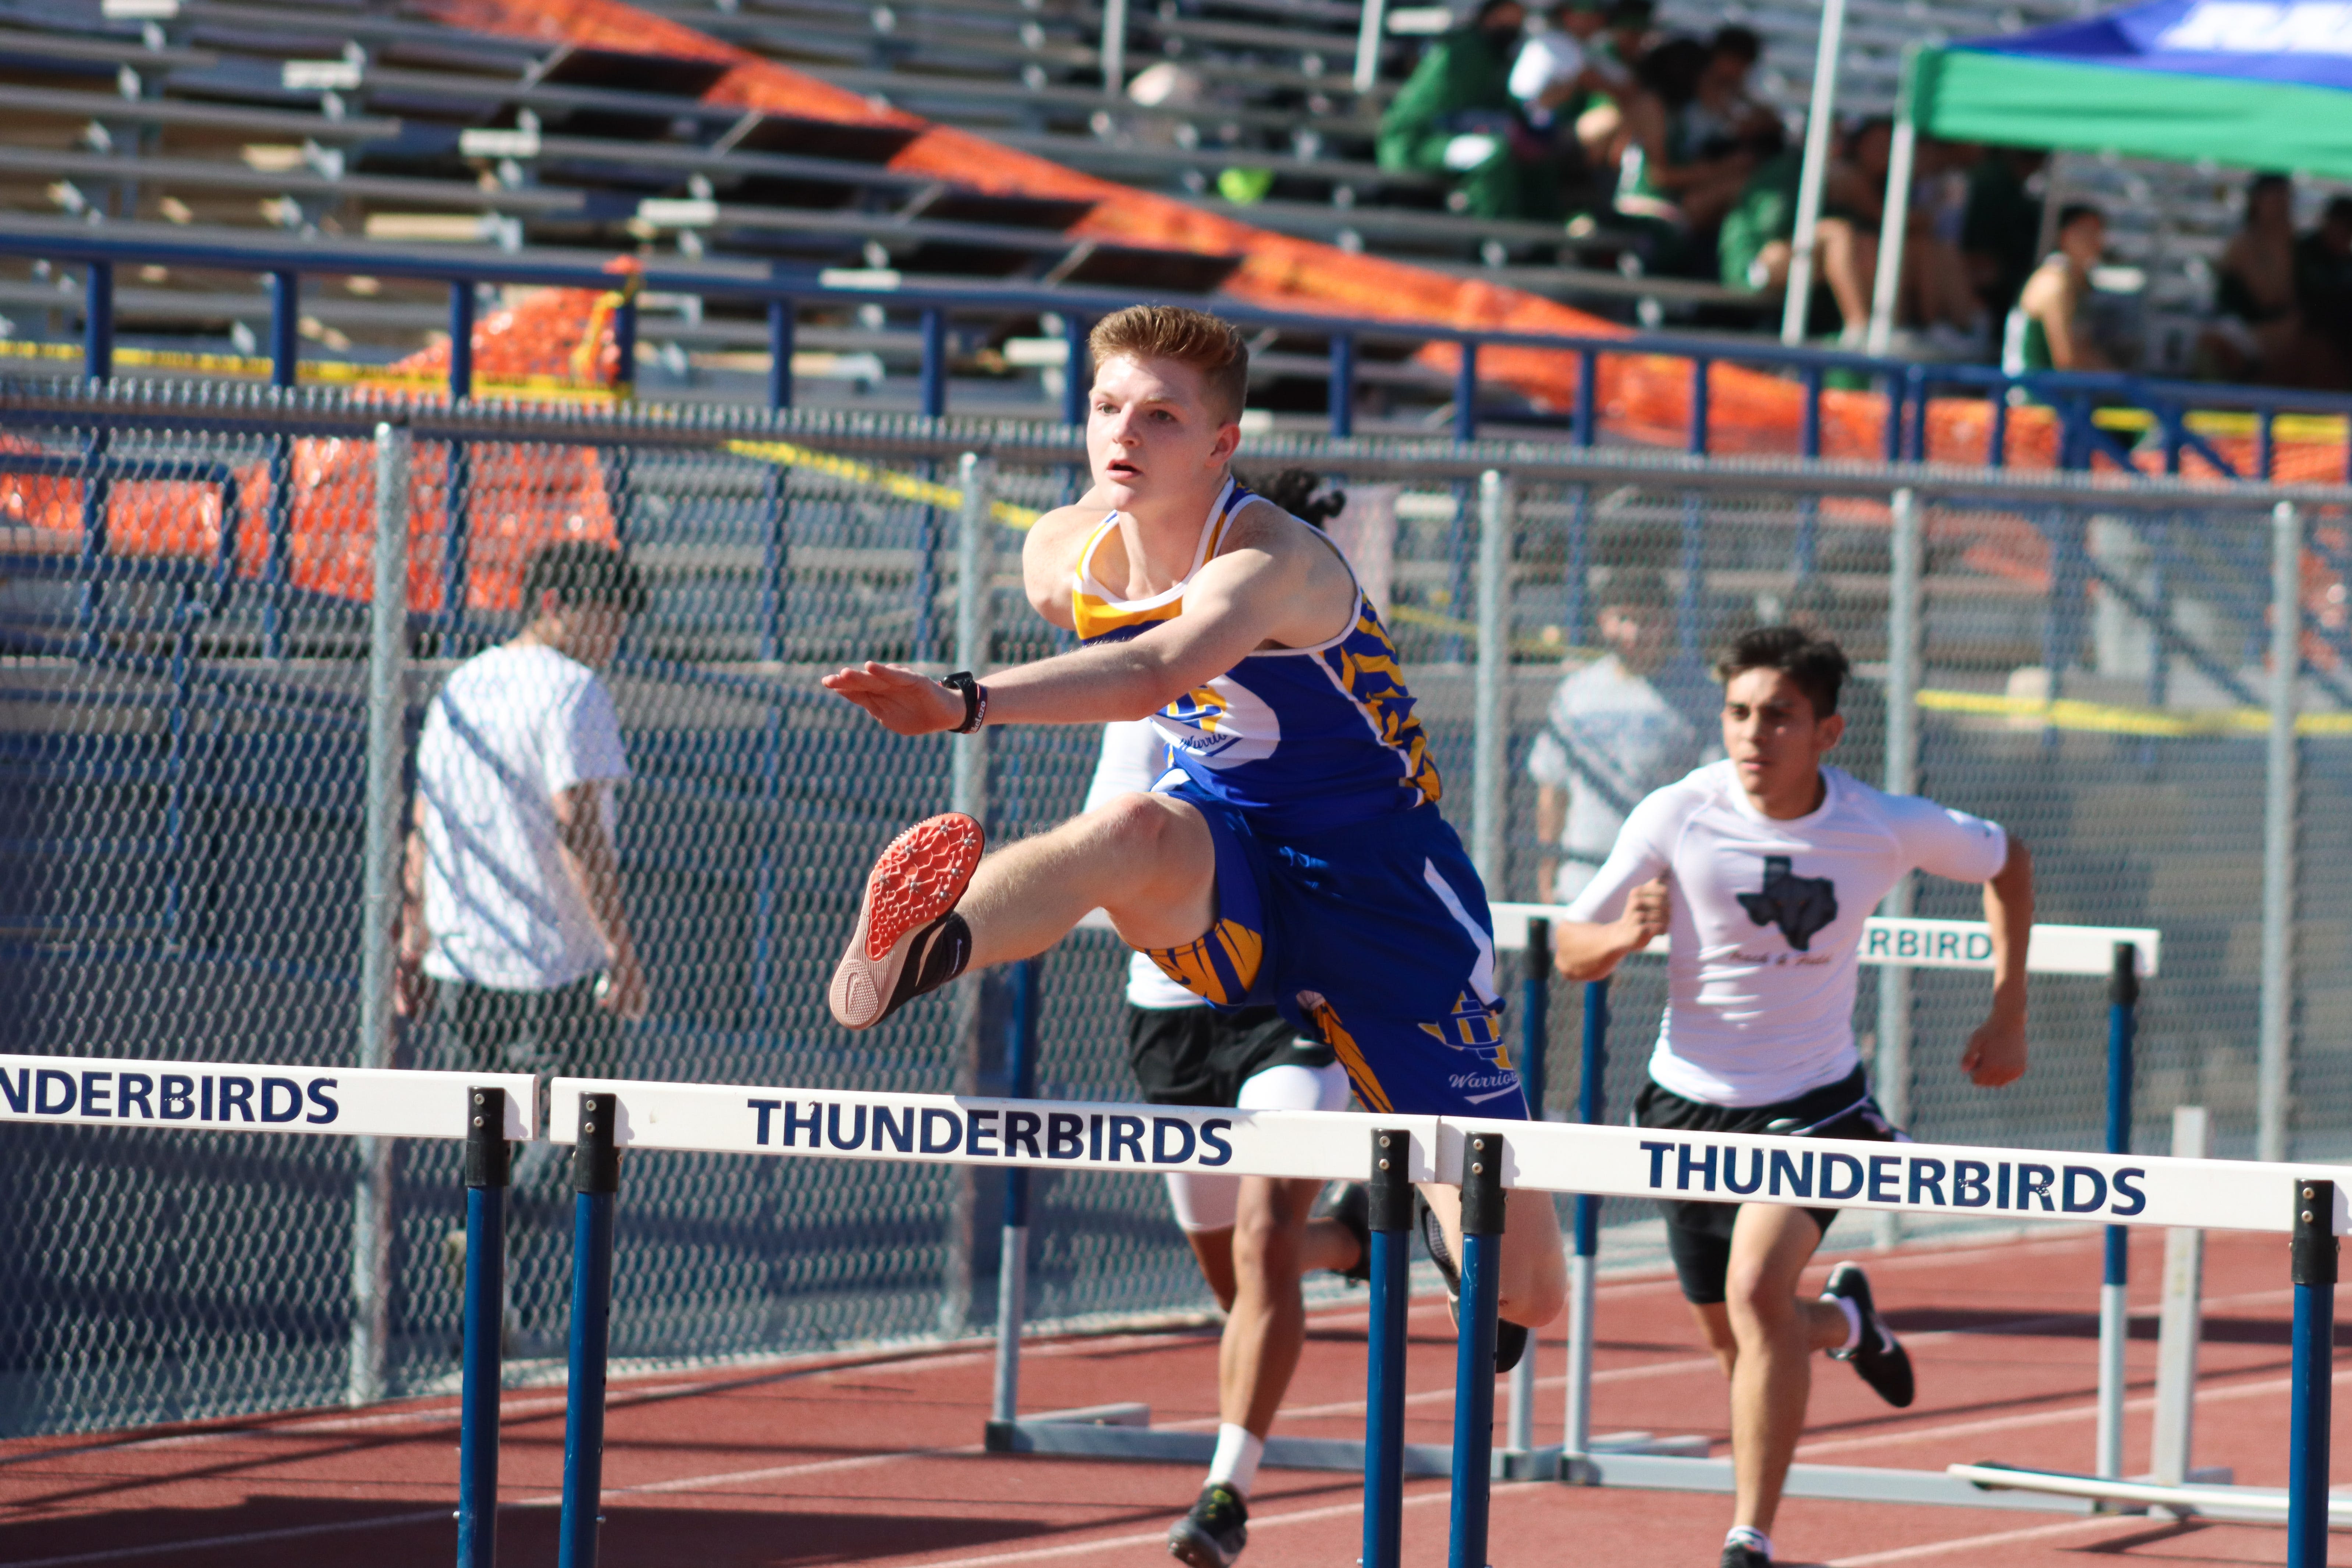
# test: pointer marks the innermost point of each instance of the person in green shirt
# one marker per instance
(2048, 330)
(1757, 241)
(1456, 116)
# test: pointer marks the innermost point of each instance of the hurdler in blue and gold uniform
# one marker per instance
(1343, 898)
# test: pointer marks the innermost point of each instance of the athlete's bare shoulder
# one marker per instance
(1319, 589)
(1050, 554)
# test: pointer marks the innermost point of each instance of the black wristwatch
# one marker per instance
(975, 699)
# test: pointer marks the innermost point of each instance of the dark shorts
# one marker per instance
(557, 1033)
(1698, 1235)
(1202, 1056)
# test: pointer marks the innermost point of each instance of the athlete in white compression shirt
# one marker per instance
(1767, 934)
(1763, 869)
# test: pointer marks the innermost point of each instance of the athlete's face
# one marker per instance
(1776, 741)
(1152, 433)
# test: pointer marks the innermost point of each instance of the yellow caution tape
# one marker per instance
(2112, 718)
(2330, 428)
(906, 486)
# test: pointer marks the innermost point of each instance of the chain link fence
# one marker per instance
(183, 715)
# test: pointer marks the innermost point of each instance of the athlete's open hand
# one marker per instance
(901, 700)
(1648, 908)
(1995, 1055)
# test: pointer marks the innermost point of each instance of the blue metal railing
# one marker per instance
(2074, 397)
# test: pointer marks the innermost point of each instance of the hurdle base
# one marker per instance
(1849, 1483)
(2258, 1505)
(1083, 1434)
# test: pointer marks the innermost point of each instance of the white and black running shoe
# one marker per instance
(1739, 1554)
(1214, 1532)
(908, 939)
(1878, 1356)
(1510, 1338)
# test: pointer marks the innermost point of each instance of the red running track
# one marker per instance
(876, 1460)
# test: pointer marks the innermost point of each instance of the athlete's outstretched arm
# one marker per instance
(1995, 1054)
(1247, 597)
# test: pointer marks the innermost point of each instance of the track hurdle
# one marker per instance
(487, 1111)
(2124, 954)
(600, 1118)
(1918, 1178)
(1488, 1157)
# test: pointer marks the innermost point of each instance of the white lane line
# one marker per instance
(1977, 1543)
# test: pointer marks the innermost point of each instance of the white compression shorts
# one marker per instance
(1206, 1200)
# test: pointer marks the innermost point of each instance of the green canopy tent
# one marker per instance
(2261, 84)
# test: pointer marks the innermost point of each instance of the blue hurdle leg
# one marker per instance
(1473, 1367)
(1390, 1218)
(485, 1247)
(2314, 1255)
(2115, 1328)
(595, 1178)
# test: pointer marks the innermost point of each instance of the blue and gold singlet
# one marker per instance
(1304, 739)
(1343, 896)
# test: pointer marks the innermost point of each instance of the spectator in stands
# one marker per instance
(1609, 737)
(1615, 55)
(2048, 331)
(1455, 115)
(513, 911)
(2001, 225)
(1723, 115)
(2323, 275)
(1558, 74)
(2258, 331)
(1757, 242)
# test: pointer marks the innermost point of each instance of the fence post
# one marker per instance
(1591, 1107)
(1490, 696)
(1473, 1363)
(1370, 25)
(2115, 1326)
(595, 1179)
(1013, 1263)
(2314, 1255)
(1902, 775)
(487, 1172)
(1343, 385)
(2275, 1063)
(968, 792)
(1535, 1025)
(1389, 1216)
(379, 903)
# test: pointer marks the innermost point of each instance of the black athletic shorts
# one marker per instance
(1202, 1056)
(1698, 1235)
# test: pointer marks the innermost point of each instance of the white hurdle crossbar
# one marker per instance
(487, 1110)
(1485, 1156)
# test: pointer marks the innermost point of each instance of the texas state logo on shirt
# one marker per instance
(1803, 907)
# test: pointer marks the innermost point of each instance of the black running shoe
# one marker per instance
(1510, 1338)
(1879, 1357)
(1739, 1554)
(1351, 1202)
(1214, 1532)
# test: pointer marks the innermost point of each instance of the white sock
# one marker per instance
(1235, 1461)
(1853, 1321)
(1748, 1535)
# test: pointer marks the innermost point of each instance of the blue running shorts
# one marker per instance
(1374, 938)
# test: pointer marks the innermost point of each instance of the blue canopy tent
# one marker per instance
(2259, 84)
